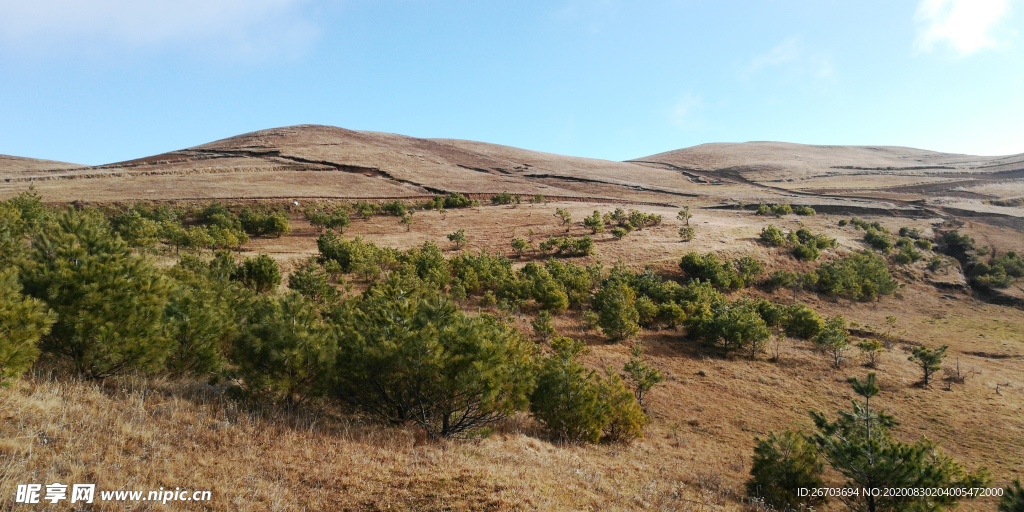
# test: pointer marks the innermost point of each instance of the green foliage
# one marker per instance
(502, 198)
(641, 375)
(783, 279)
(998, 272)
(913, 233)
(708, 268)
(806, 252)
(136, 230)
(782, 209)
(451, 200)
(458, 238)
(366, 209)
(929, 360)
(865, 225)
(878, 240)
(783, 464)
(394, 208)
(615, 303)
(843, 222)
(261, 273)
(1013, 498)
(337, 219)
(923, 243)
(201, 316)
(312, 282)
(406, 354)
(684, 215)
(764, 210)
(269, 224)
(618, 233)
(285, 350)
(594, 222)
(859, 276)
(859, 446)
(23, 322)
(575, 404)
(804, 210)
(772, 236)
(563, 214)
(832, 339)
(907, 255)
(802, 322)
(806, 237)
(626, 418)
(731, 327)
(686, 233)
(543, 327)
(569, 246)
(640, 220)
(519, 245)
(871, 348)
(108, 302)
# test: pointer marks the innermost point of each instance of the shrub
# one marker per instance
(543, 328)
(519, 245)
(843, 222)
(618, 233)
(686, 233)
(641, 375)
(261, 273)
(201, 316)
(396, 208)
(781, 209)
(782, 279)
(764, 210)
(707, 267)
(406, 354)
(577, 405)
(802, 322)
(929, 360)
(806, 252)
(594, 222)
(1013, 498)
(923, 243)
(783, 465)
(804, 210)
(108, 303)
(285, 350)
(908, 255)
(272, 224)
(859, 276)
(615, 303)
(312, 282)
(23, 322)
(458, 238)
(747, 268)
(366, 209)
(832, 339)
(502, 198)
(772, 236)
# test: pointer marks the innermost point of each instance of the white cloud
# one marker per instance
(791, 62)
(964, 24)
(682, 114)
(217, 26)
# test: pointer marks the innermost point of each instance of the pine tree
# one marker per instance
(1013, 498)
(641, 375)
(407, 354)
(260, 273)
(615, 303)
(860, 447)
(567, 400)
(783, 464)
(685, 215)
(833, 339)
(930, 360)
(23, 321)
(109, 303)
(285, 350)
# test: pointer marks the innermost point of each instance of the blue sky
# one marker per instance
(98, 81)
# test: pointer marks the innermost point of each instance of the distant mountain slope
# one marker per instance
(14, 164)
(890, 172)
